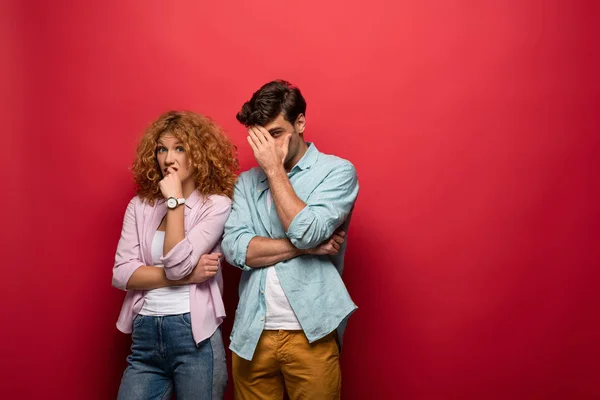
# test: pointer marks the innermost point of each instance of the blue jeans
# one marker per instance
(164, 358)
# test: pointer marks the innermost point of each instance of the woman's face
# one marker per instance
(172, 158)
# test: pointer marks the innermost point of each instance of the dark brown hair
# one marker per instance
(269, 101)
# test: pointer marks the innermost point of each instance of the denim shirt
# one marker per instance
(328, 185)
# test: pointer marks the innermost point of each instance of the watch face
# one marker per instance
(171, 202)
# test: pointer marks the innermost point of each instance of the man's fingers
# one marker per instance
(263, 133)
(338, 239)
(256, 136)
(252, 145)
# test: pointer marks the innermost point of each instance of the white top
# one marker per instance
(168, 300)
(279, 312)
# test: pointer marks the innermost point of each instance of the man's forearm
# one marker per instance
(148, 277)
(263, 252)
(287, 203)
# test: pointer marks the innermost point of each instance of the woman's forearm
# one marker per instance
(149, 277)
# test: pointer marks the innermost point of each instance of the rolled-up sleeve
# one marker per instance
(127, 258)
(326, 209)
(201, 239)
(238, 229)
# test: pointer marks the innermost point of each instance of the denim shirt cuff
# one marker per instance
(239, 259)
(299, 227)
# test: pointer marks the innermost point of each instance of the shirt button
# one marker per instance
(262, 318)
(262, 292)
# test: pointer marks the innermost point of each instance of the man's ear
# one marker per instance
(300, 124)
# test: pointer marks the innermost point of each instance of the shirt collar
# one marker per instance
(192, 199)
(308, 160)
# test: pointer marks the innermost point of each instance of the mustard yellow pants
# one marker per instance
(284, 360)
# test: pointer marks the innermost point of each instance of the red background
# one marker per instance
(473, 253)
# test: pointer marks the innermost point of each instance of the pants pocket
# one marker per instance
(186, 319)
(137, 321)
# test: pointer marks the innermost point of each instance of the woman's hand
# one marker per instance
(207, 268)
(170, 185)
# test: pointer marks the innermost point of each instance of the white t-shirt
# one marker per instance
(168, 300)
(279, 312)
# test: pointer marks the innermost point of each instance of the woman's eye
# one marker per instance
(180, 149)
(161, 150)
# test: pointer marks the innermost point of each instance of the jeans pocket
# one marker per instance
(137, 321)
(187, 319)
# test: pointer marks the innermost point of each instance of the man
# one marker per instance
(286, 231)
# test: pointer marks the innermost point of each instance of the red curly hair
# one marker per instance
(211, 153)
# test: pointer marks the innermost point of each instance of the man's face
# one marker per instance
(279, 128)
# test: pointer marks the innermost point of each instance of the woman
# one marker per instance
(185, 169)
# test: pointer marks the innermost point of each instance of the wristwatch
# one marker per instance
(173, 202)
